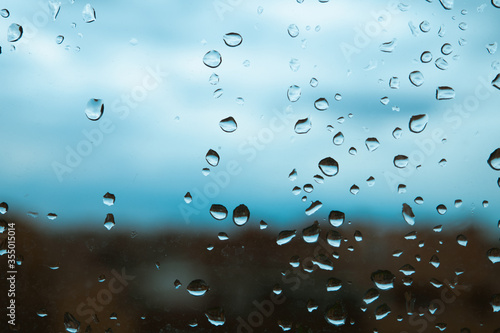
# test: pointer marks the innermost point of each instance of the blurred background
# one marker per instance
(136, 133)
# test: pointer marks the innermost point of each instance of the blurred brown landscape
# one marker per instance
(242, 272)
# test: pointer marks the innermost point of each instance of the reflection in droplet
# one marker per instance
(397, 133)
(94, 109)
(334, 238)
(293, 175)
(241, 214)
(218, 212)
(232, 39)
(228, 125)
(382, 311)
(212, 158)
(108, 199)
(394, 82)
(88, 13)
(446, 49)
(462, 240)
(311, 233)
(442, 64)
(333, 284)
(371, 295)
(329, 167)
(418, 123)
(14, 32)
(441, 209)
(212, 59)
(313, 208)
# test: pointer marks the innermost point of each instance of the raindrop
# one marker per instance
(329, 167)
(313, 208)
(447, 4)
(434, 261)
(334, 238)
(293, 30)
(228, 125)
(218, 93)
(311, 234)
(54, 8)
(94, 109)
(388, 46)
(4, 208)
(371, 295)
(212, 59)
(418, 123)
(494, 253)
(51, 216)
(494, 159)
(419, 200)
(214, 79)
(322, 104)
(197, 288)
(462, 240)
(294, 64)
(495, 299)
(382, 311)
(400, 161)
(397, 133)
(441, 209)
(71, 324)
(109, 222)
(216, 316)
(336, 315)
(416, 78)
(88, 13)
(212, 158)
(222, 236)
(108, 199)
(492, 48)
(241, 214)
(311, 305)
(496, 82)
(285, 236)
(338, 139)
(372, 144)
(354, 189)
(383, 279)
(293, 93)
(333, 284)
(262, 225)
(308, 188)
(384, 100)
(205, 171)
(218, 212)
(293, 175)
(320, 180)
(444, 93)
(425, 26)
(446, 49)
(4, 13)
(232, 39)
(336, 218)
(14, 32)
(394, 82)
(426, 57)
(59, 39)
(441, 63)
(407, 270)
(458, 203)
(313, 82)
(303, 126)
(358, 237)
(495, 3)
(370, 181)
(353, 151)
(462, 26)
(408, 215)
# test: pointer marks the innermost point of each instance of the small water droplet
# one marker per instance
(4, 13)
(311, 233)
(197, 287)
(241, 215)
(216, 316)
(59, 39)
(383, 279)
(293, 175)
(218, 212)
(447, 4)
(408, 215)
(4, 207)
(108, 199)
(418, 123)
(425, 26)
(322, 104)
(426, 57)
(14, 32)
(401, 161)
(94, 109)
(329, 166)
(336, 218)
(285, 236)
(294, 93)
(397, 133)
(218, 93)
(354, 189)
(88, 14)
(441, 63)
(446, 49)
(492, 48)
(293, 30)
(372, 144)
(294, 64)
(70, 323)
(445, 93)
(336, 315)
(212, 158)
(338, 139)
(228, 125)
(416, 78)
(494, 159)
(109, 222)
(333, 284)
(214, 79)
(232, 39)
(385, 100)
(394, 82)
(388, 47)
(314, 82)
(303, 126)
(382, 311)
(494, 253)
(212, 59)
(313, 208)
(54, 7)
(462, 240)
(371, 295)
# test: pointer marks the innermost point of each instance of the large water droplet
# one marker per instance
(241, 214)
(382, 311)
(109, 222)
(329, 166)
(336, 315)
(338, 139)
(494, 255)
(303, 126)
(293, 93)
(94, 109)
(108, 199)
(232, 39)
(285, 236)
(212, 59)
(371, 295)
(426, 57)
(494, 159)
(216, 316)
(445, 93)
(321, 104)
(311, 234)
(383, 279)
(401, 161)
(313, 208)
(372, 144)
(70, 323)
(218, 212)
(333, 284)
(416, 78)
(228, 125)
(88, 13)
(212, 158)
(14, 32)
(408, 214)
(447, 4)
(197, 287)
(334, 238)
(418, 123)
(293, 30)
(336, 218)
(495, 3)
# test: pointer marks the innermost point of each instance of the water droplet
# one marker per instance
(426, 57)
(494, 253)
(329, 167)
(285, 236)
(462, 26)
(397, 133)
(370, 181)
(293, 175)
(334, 238)
(294, 93)
(441, 63)
(495, 3)
(382, 311)
(108, 199)
(313, 208)
(444, 93)
(232, 39)
(401, 161)
(88, 13)
(495, 299)
(51, 216)
(293, 30)
(4, 208)
(407, 270)
(54, 8)
(388, 47)
(336, 218)
(333, 284)
(228, 125)
(418, 123)
(336, 315)
(338, 139)
(241, 214)
(425, 26)
(212, 59)
(311, 305)
(383, 279)
(419, 200)
(494, 159)
(222, 236)
(308, 188)
(14, 32)
(371, 295)
(218, 93)
(205, 171)
(492, 48)
(441, 209)
(218, 212)
(446, 49)
(216, 316)
(214, 79)
(408, 214)
(462, 240)
(212, 158)
(313, 82)
(354, 189)
(262, 225)
(311, 233)
(109, 222)
(434, 261)
(197, 287)
(322, 104)
(294, 64)
(71, 324)
(372, 144)
(394, 82)
(94, 109)
(4, 13)
(447, 4)
(416, 78)
(353, 151)
(303, 126)
(385, 100)
(59, 39)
